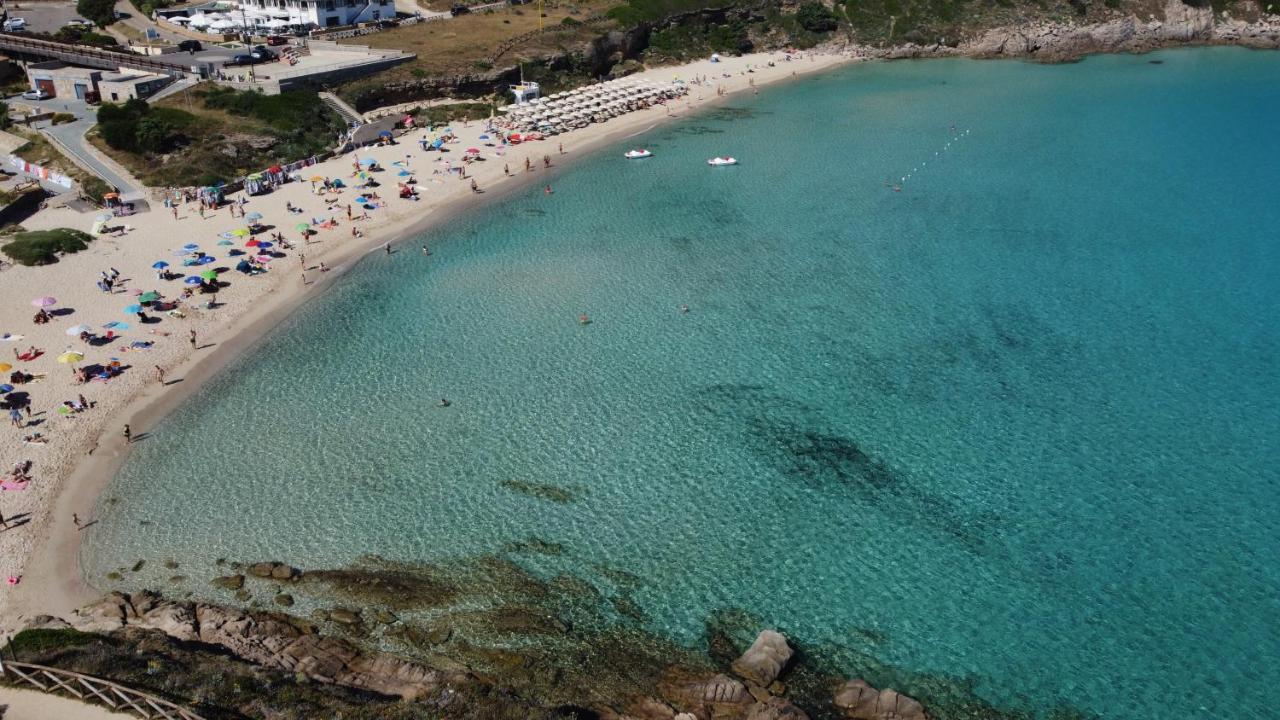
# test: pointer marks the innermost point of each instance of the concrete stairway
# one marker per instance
(345, 111)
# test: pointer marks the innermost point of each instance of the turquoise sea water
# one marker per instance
(1019, 420)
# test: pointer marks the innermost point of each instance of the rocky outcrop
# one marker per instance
(765, 660)
(274, 571)
(860, 701)
(776, 709)
(1051, 41)
(267, 639)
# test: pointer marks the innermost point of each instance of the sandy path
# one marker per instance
(34, 705)
(84, 449)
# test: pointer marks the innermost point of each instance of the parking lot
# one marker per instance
(44, 17)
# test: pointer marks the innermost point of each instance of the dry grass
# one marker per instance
(468, 43)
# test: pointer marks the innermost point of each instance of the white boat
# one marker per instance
(721, 161)
(637, 154)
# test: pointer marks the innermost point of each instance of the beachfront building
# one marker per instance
(267, 16)
(524, 92)
(58, 79)
(128, 85)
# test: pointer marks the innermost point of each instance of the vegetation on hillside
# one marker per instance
(41, 247)
(101, 12)
(212, 134)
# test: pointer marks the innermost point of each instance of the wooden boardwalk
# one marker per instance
(95, 690)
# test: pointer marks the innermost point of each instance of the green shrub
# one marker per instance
(35, 641)
(570, 22)
(94, 188)
(815, 17)
(41, 247)
(5, 120)
(59, 118)
(101, 12)
(137, 127)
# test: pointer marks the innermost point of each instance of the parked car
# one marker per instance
(36, 95)
(15, 24)
(263, 53)
(190, 46)
(457, 10)
(79, 22)
(274, 40)
(244, 59)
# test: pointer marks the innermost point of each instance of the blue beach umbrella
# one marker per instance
(133, 309)
(266, 244)
(368, 161)
(159, 265)
(116, 325)
(191, 246)
(253, 216)
(205, 260)
(6, 388)
(360, 200)
(192, 280)
(225, 243)
(484, 137)
(404, 173)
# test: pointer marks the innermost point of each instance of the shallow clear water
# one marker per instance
(1019, 420)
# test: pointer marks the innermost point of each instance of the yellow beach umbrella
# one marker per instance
(241, 233)
(69, 357)
(5, 367)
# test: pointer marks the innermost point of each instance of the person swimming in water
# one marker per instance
(548, 190)
(583, 319)
(444, 402)
(684, 308)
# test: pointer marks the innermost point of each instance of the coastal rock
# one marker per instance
(271, 640)
(229, 582)
(765, 660)
(647, 708)
(343, 616)
(860, 701)
(776, 709)
(284, 599)
(273, 570)
(47, 622)
(717, 689)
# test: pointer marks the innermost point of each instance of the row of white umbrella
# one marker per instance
(593, 102)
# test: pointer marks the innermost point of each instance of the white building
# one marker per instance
(266, 16)
(321, 13)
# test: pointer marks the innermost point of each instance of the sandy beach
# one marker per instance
(39, 550)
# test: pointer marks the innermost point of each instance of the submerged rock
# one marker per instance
(765, 660)
(229, 582)
(268, 639)
(284, 599)
(273, 570)
(343, 616)
(860, 701)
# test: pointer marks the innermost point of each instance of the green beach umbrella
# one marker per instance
(302, 227)
(209, 274)
(149, 296)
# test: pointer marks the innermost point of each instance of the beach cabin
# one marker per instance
(524, 92)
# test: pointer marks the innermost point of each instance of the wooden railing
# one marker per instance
(91, 689)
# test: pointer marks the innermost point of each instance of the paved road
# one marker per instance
(45, 17)
(71, 135)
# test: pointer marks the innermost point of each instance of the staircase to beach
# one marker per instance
(353, 118)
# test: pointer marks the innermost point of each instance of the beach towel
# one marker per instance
(15, 485)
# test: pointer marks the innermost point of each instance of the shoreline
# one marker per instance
(53, 582)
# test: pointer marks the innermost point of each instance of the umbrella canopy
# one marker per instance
(116, 325)
(224, 243)
(77, 329)
(206, 260)
(44, 302)
(241, 232)
(473, 151)
(133, 309)
(385, 133)
(192, 280)
(191, 246)
(265, 244)
(159, 265)
(302, 227)
(5, 367)
(404, 173)
(368, 161)
(317, 178)
(70, 356)
(209, 275)
(253, 216)
(6, 388)
(253, 243)
(151, 296)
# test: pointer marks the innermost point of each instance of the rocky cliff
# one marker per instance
(1046, 41)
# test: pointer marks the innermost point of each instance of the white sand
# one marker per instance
(35, 705)
(85, 449)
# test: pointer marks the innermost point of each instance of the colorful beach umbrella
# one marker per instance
(317, 178)
(116, 325)
(150, 296)
(366, 162)
(192, 280)
(253, 216)
(302, 227)
(191, 246)
(241, 233)
(265, 244)
(77, 329)
(159, 265)
(404, 173)
(225, 243)
(44, 302)
(69, 357)
(253, 243)
(209, 274)
(5, 367)
(206, 260)
(133, 309)
(473, 151)
(6, 388)
(264, 258)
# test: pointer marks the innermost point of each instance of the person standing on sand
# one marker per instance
(561, 148)
(192, 339)
(128, 435)
(387, 247)
(528, 165)
(75, 520)
(506, 170)
(175, 211)
(15, 416)
(160, 374)
(3, 523)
